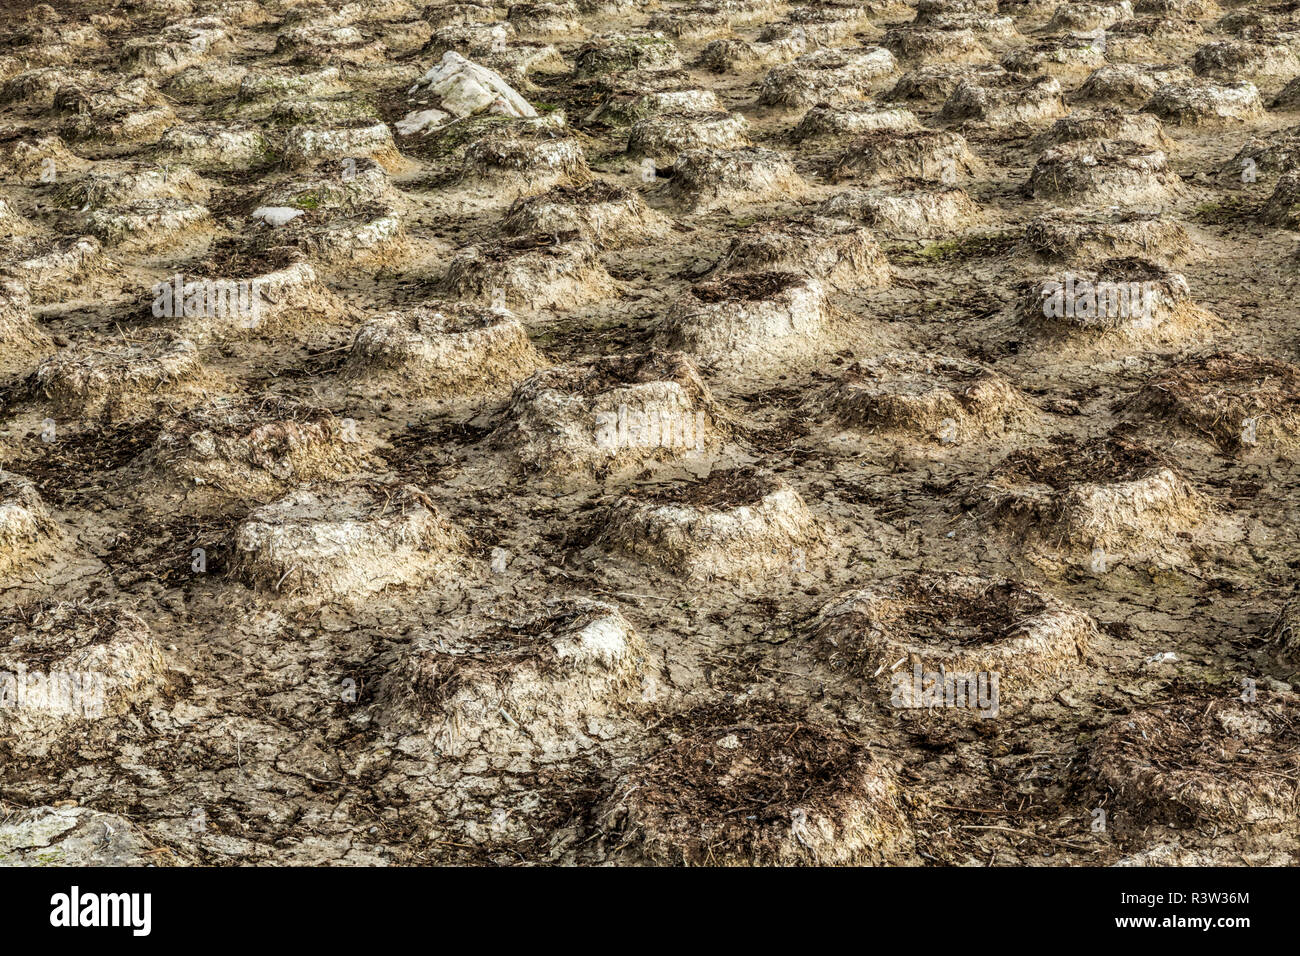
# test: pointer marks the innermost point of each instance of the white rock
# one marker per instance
(463, 88)
(418, 120)
(276, 215)
(70, 836)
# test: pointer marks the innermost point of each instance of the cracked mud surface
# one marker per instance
(286, 725)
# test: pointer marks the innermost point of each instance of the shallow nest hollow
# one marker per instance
(952, 622)
(747, 287)
(781, 791)
(254, 447)
(722, 489)
(1220, 396)
(1209, 759)
(1111, 497)
(1066, 462)
(933, 397)
(609, 372)
(845, 255)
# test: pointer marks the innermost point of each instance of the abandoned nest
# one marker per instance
(535, 681)
(1113, 494)
(1209, 759)
(256, 447)
(947, 621)
(776, 791)
(939, 398)
(442, 349)
(1230, 399)
(736, 523)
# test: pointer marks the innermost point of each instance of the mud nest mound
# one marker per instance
(777, 791)
(629, 101)
(47, 268)
(1123, 172)
(345, 542)
(1210, 759)
(1289, 97)
(1152, 38)
(1084, 236)
(1284, 635)
(1104, 124)
(886, 155)
(839, 253)
(131, 112)
(928, 397)
(1192, 9)
(700, 23)
(22, 340)
(442, 349)
(120, 381)
(734, 524)
(539, 682)
(247, 287)
(148, 223)
(530, 272)
(1262, 56)
(604, 213)
(1114, 496)
(527, 160)
(134, 184)
(665, 137)
(592, 418)
(923, 45)
(825, 76)
(1003, 100)
(1063, 56)
(749, 318)
(28, 532)
(68, 661)
(951, 622)
(618, 53)
(928, 10)
(1268, 155)
(1127, 85)
(937, 81)
(704, 179)
(1283, 207)
(350, 185)
(1205, 104)
(1082, 17)
(1232, 400)
(215, 146)
(256, 447)
(906, 209)
(852, 119)
(1121, 298)
(994, 30)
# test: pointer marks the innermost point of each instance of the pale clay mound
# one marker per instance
(607, 414)
(534, 684)
(936, 621)
(1143, 512)
(448, 349)
(750, 318)
(28, 532)
(767, 529)
(76, 663)
(120, 382)
(636, 397)
(344, 542)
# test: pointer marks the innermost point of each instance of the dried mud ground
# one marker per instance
(419, 701)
